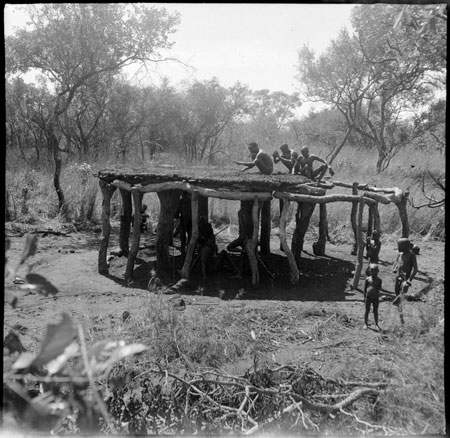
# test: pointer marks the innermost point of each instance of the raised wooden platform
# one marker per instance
(201, 182)
(217, 178)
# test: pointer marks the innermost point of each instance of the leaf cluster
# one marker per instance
(64, 367)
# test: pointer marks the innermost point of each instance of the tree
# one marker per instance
(373, 77)
(205, 110)
(26, 106)
(74, 44)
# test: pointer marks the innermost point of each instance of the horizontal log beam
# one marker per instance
(234, 196)
(182, 185)
(322, 199)
(122, 185)
(367, 187)
(395, 195)
(160, 187)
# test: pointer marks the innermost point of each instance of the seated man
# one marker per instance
(287, 157)
(245, 226)
(304, 166)
(260, 159)
(207, 251)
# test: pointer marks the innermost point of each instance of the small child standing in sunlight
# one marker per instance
(372, 289)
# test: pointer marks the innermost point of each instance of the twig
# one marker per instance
(367, 384)
(335, 344)
(373, 426)
(88, 368)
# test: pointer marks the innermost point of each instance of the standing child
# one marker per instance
(373, 246)
(372, 289)
(405, 267)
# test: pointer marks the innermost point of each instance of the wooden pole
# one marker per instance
(302, 218)
(370, 221)
(360, 245)
(169, 201)
(107, 192)
(322, 199)
(266, 225)
(319, 246)
(186, 269)
(203, 206)
(125, 221)
(129, 272)
(401, 205)
(250, 244)
(353, 217)
(376, 218)
(295, 275)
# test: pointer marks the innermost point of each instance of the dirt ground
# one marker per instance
(287, 314)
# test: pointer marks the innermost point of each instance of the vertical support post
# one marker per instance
(266, 225)
(403, 214)
(302, 218)
(107, 192)
(125, 221)
(360, 244)
(169, 201)
(353, 218)
(137, 198)
(250, 244)
(186, 269)
(370, 221)
(203, 206)
(319, 246)
(376, 218)
(295, 275)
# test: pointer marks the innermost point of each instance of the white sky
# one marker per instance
(255, 44)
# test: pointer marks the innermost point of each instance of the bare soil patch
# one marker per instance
(317, 323)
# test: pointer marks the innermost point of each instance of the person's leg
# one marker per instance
(228, 258)
(307, 171)
(375, 311)
(398, 285)
(366, 314)
(205, 255)
(318, 174)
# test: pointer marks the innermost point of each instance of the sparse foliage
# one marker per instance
(74, 45)
(374, 76)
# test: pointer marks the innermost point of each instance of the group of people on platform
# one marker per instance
(297, 164)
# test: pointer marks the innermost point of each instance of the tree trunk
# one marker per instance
(380, 161)
(338, 149)
(54, 147)
(353, 218)
(8, 215)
